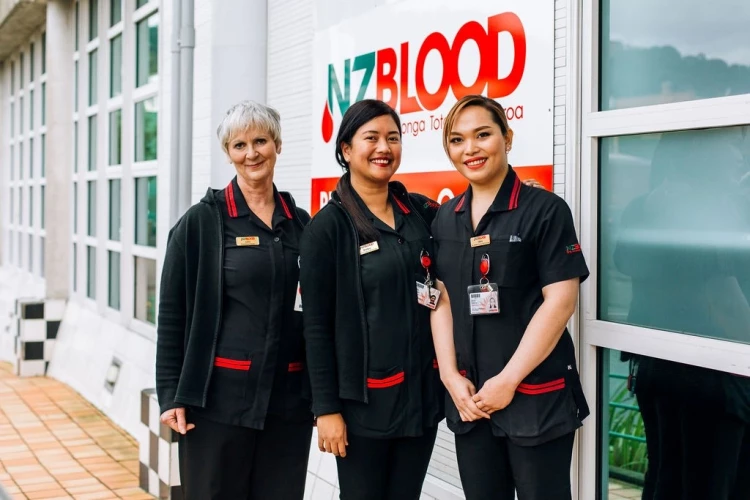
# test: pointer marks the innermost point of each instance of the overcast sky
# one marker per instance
(718, 29)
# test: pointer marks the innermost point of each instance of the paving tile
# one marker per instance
(46, 494)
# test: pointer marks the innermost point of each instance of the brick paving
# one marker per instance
(54, 444)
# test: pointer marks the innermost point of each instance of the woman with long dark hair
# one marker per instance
(367, 265)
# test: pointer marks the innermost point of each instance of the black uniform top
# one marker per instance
(405, 395)
(532, 244)
(259, 362)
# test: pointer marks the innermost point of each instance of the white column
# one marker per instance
(238, 66)
(60, 31)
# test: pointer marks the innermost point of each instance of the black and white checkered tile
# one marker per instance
(37, 324)
(159, 468)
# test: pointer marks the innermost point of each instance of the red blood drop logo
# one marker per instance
(326, 126)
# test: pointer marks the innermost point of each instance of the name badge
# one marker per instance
(480, 241)
(483, 299)
(247, 241)
(298, 299)
(369, 248)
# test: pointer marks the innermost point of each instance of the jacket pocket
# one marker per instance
(384, 410)
(297, 387)
(539, 407)
(232, 373)
(512, 264)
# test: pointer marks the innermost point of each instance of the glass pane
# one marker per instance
(114, 280)
(146, 121)
(147, 50)
(93, 62)
(44, 104)
(75, 260)
(12, 206)
(41, 257)
(31, 63)
(674, 222)
(44, 52)
(145, 290)
(115, 137)
(145, 211)
(115, 219)
(93, 19)
(75, 146)
(44, 155)
(12, 78)
(21, 113)
(115, 66)
(12, 119)
(20, 208)
(43, 203)
(92, 142)
(115, 12)
(31, 110)
(20, 161)
(679, 432)
(21, 81)
(31, 206)
(140, 3)
(648, 57)
(31, 158)
(12, 162)
(91, 272)
(77, 23)
(30, 248)
(75, 89)
(75, 208)
(91, 215)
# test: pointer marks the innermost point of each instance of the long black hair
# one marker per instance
(357, 115)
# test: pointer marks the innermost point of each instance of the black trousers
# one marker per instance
(385, 469)
(226, 462)
(493, 468)
(695, 452)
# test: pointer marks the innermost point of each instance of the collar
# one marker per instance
(400, 207)
(237, 206)
(505, 200)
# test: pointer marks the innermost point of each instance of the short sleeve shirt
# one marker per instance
(530, 241)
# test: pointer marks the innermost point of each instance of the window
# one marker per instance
(115, 66)
(20, 210)
(12, 78)
(20, 161)
(93, 79)
(44, 52)
(30, 261)
(75, 258)
(12, 162)
(113, 297)
(21, 110)
(31, 110)
(146, 114)
(145, 211)
(31, 63)
(115, 137)
(93, 19)
(75, 88)
(44, 104)
(115, 219)
(674, 251)
(21, 81)
(12, 119)
(78, 24)
(91, 272)
(43, 202)
(648, 59)
(31, 158)
(145, 290)
(41, 257)
(147, 50)
(92, 143)
(12, 207)
(115, 12)
(75, 208)
(75, 146)
(91, 216)
(31, 206)
(44, 155)
(140, 3)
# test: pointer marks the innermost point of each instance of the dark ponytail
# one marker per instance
(357, 115)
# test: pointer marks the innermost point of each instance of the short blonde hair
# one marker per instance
(495, 109)
(246, 115)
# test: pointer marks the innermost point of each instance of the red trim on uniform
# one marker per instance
(435, 364)
(534, 389)
(461, 202)
(514, 194)
(382, 383)
(462, 373)
(232, 364)
(231, 205)
(285, 207)
(403, 207)
(296, 367)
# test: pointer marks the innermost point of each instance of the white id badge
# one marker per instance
(483, 299)
(298, 299)
(427, 295)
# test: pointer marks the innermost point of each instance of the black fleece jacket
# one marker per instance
(336, 331)
(190, 303)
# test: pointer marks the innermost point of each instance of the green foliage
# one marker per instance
(626, 453)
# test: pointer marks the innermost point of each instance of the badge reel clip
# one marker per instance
(484, 297)
(426, 294)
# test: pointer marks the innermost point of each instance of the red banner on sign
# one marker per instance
(439, 186)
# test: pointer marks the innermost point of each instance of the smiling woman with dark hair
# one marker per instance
(366, 264)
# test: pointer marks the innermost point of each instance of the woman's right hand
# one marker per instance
(462, 390)
(332, 434)
(175, 418)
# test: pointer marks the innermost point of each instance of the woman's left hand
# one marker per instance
(533, 183)
(495, 394)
